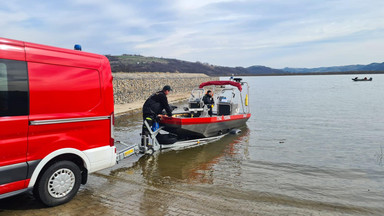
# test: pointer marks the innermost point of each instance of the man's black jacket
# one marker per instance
(155, 104)
(207, 99)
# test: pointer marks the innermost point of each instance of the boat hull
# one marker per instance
(204, 126)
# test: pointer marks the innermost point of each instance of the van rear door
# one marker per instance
(14, 110)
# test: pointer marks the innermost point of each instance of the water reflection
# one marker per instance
(128, 121)
(194, 165)
(169, 174)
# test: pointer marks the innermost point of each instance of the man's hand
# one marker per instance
(163, 116)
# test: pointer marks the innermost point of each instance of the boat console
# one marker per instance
(226, 104)
(195, 103)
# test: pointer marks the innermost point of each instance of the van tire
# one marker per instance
(58, 184)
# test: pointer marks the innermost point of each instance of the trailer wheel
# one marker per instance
(59, 183)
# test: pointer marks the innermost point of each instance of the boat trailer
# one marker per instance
(153, 145)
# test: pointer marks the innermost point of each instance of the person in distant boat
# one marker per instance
(208, 100)
(365, 78)
(153, 108)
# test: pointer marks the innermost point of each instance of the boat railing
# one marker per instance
(228, 100)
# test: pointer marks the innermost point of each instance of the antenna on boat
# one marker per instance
(238, 79)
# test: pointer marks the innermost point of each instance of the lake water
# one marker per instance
(314, 145)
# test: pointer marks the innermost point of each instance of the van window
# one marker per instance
(14, 99)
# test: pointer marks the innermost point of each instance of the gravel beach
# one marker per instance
(132, 89)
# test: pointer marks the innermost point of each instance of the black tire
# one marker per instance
(58, 184)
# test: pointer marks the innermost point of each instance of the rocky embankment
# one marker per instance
(132, 89)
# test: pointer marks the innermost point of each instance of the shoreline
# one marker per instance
(135, 107)
(132, 89)
(317, 73)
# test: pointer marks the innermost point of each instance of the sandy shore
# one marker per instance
(135, 88)
(135, 107)
(148, 75)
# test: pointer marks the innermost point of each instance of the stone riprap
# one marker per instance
(132, 87)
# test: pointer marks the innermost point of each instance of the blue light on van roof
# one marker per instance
(77, 47)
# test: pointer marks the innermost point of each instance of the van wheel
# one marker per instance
(59, 183)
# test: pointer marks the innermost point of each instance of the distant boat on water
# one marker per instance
(363, 79)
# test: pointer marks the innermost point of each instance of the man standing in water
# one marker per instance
(152, 109)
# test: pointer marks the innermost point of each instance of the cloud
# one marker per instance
(274, 33)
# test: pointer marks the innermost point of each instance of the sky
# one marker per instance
(272, 33)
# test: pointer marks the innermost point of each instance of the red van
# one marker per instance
(56, 119)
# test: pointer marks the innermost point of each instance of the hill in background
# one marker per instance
(137, 63)
(370, 67)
